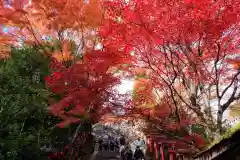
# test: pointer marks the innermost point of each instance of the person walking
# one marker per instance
(106, 142)
(138, 154)
(100, 142)
(122, 152)
(122, 140)
(139, 142)
(112, 144)
(128, 154)
(116, 145)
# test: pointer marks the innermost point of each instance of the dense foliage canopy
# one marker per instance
(183, 56)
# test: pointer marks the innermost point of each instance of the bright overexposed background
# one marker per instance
(125, 86)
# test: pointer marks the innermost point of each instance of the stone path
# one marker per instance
(105, 155)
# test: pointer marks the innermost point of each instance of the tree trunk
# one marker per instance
(219, 120)
(87, 127)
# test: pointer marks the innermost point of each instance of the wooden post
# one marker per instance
(156, 150)
(171, 154)
(161, 151)
(150, 144)
(172, 151)
(181, 157)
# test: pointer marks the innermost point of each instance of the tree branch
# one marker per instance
(224, 91)
(216, 70)
(76, 132)
(230, 100)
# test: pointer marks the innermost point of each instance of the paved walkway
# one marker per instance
(107, 155)
(104, 155)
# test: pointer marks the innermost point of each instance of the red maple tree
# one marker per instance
(189, 46)
(84, 87)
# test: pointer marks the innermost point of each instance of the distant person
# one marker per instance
(122, 140)
(139, 142)
(111, 144)
(138, 154)
(128, 154)
(106, 142)
(116, 148)
(100, 142)
(122, 152)
(121, 148)
(143, 142)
